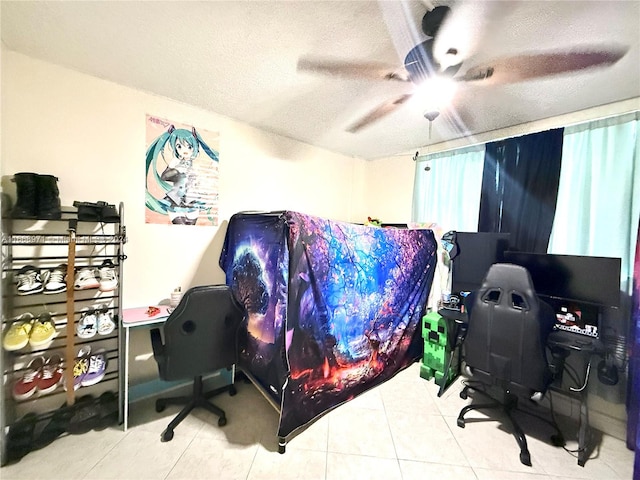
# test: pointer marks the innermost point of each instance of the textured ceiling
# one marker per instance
(239, 59)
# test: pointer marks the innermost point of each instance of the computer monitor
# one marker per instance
(577, 278)
(477, 251)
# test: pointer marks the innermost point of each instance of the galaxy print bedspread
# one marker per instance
(333, 308)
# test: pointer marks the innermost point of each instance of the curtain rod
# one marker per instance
(635, 111)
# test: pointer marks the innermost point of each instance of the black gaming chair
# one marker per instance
(199, 338)
(504, 347)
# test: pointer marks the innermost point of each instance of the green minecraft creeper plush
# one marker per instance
(436, 348)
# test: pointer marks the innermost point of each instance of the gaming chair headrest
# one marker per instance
(508, 277)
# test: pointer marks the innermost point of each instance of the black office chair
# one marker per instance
(504, 347)
(199, 338)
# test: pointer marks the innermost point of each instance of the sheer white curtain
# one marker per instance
(599, 192)
(448, 193)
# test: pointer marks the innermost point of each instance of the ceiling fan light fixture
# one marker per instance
(431, 115)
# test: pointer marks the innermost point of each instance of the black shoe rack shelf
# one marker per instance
(45, 245)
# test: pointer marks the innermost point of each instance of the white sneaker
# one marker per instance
(85, 279)
(87, 326)
(106, 325)
(56, 280)
(29, 281)
(108, 276)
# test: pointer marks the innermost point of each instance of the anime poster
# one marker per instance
(333, 309)
(181, 174)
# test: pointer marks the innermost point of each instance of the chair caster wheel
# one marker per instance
(557, 441)
(222, 421)
(281, 449)
(463, 394)
(525, 458)
(167, 435)
(232, 391)
(460, 422)
(160, 406)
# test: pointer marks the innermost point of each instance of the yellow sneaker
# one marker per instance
(44, 330)
(17, 336)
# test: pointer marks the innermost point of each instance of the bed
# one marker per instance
(333, 308)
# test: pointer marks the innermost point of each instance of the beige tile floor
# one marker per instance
(399, 430)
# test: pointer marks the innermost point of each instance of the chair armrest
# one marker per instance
(156, 343)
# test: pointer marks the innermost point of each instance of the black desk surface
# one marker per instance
(453, 314)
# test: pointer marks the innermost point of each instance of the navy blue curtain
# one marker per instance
(520, 188)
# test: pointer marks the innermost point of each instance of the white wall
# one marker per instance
(389, 189)
(90, 133)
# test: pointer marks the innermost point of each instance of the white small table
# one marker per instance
(136, 318)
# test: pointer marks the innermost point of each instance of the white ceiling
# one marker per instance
(239, 59)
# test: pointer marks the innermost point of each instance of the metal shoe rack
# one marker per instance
(45, 245)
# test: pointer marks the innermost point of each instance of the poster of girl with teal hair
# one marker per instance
(181, 174)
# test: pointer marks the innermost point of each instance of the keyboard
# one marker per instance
(574, 341)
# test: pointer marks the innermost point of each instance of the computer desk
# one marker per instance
(573, 344)
(564, 343)
(140, 317)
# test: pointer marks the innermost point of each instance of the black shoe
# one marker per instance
(20, 438)
(109, 410)
(48, 198)
(57, 425)
(27, 196)
(97, 212)
(86, 415)
(87, 212)
(108, 213)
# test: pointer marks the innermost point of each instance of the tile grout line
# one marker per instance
(126, 434)
(455, 439)
(181, 455)
(395, 450)
(253, 461)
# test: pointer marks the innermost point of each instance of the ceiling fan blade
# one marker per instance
(365, 70)
(378, 112)
(538, 65)
(462, 31)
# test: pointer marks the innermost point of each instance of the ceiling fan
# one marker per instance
(428, 60)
